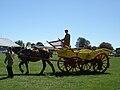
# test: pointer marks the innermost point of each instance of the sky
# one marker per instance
(40, 20)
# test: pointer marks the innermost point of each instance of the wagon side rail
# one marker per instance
(57, 44)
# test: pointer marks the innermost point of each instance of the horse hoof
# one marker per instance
(41, 74)
(22, 71)
(27, 73)
(52, 74)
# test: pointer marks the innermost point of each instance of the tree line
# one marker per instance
(28, 44)
(80, 44)
(84, 43)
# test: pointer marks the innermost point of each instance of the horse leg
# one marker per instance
(53, 69)
(21, 63)
(44, 66)
(26, 64)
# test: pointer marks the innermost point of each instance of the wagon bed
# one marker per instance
(85, 54)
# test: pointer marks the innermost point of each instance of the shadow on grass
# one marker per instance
(57, 74)
(30, 74)
(3, 76)
(61, 74)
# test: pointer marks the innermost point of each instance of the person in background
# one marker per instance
(9, 60)
(66, 39)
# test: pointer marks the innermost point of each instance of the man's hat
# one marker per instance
(66, 30)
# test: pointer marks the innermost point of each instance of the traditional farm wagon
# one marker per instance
(73, 60)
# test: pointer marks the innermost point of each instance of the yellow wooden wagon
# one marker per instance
(73, 60)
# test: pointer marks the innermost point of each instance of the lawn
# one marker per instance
(110, 80)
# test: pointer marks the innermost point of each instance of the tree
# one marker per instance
(94, 47)
(20, 42)
(28, 44)
(82, 42)
(106, 45)
(33, 44)
(39, 44)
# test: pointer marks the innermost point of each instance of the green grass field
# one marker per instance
(110, 80)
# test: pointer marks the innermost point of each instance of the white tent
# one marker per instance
(7, 42)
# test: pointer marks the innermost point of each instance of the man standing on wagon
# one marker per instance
(66, 39)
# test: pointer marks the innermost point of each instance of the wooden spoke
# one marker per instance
(101, 63)
(61, 64)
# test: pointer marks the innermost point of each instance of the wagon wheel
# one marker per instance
(61, 64)
(101, 63)
(72, 65)
(87, 65)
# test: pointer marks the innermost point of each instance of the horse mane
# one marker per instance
(16, 50)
